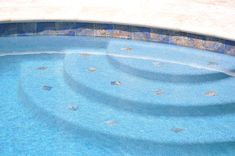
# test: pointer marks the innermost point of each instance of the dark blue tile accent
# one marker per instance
(44, 26)
(71, 33)
(26, 28)
(85, 29)
(104, 26)
(85, 25)
(64, 28)
(65, 25)
(228, 42)
(8, 29)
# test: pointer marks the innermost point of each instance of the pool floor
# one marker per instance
(99, 96)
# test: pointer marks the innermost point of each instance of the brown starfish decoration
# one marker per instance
(115, 83)
(42, 68)
(158, 92)
(210, 93)
(177, 130)
(73, 107)
(47, 88)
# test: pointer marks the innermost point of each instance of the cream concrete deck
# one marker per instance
(211, 17)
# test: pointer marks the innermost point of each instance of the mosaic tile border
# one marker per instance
(119, 31)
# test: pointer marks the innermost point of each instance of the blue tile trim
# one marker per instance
(140, 33)
(42, 26)
(85, 29)
(119, 31)
(8, 29)
(104, 30)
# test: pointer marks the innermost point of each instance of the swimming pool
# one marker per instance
(77, 95)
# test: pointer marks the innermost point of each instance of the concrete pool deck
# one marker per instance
(209, 17)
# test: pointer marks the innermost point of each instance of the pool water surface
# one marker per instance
(93, 96)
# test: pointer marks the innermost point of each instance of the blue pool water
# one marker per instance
(110, 97)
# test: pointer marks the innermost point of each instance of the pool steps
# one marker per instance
(88, 117)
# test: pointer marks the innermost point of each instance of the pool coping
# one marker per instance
(114, 30)
(208, 17)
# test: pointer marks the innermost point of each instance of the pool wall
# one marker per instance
(159, 35)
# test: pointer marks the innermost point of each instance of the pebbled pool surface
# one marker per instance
(93, 96)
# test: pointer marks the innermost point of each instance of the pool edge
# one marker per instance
(113, 30)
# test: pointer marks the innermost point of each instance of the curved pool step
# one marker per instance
(46, 90)
(173, 64)
(115, 118)
(160, 99)
(165, 72)
(122, 146)
(172, 54)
